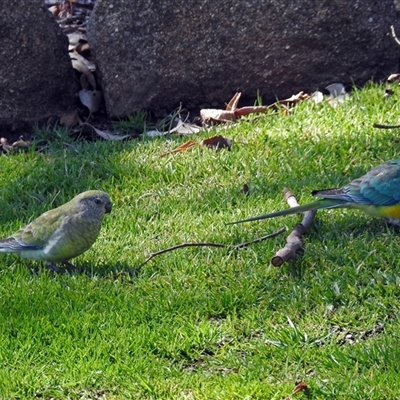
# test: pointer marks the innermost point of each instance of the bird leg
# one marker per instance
(52, 267)
(68, 266)
(393, 221)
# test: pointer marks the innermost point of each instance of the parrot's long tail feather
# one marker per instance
(316, 205)
(10, 245)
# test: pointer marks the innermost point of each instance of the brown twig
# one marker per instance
(257, 240)
(294, 241)
(208, 244)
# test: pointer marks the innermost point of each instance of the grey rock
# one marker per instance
(37, 80)
(157, 54)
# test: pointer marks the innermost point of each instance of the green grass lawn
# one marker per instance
(208, 323)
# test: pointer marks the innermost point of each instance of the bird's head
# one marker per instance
(96, 202)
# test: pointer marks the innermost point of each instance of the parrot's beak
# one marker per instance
(108, 208)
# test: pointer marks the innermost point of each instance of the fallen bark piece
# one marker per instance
(294, 242)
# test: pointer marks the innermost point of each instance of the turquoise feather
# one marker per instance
(372, 193)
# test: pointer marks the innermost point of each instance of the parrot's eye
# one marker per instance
(97, 201)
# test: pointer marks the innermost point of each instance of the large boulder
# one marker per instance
(157, 54)
(37, 80)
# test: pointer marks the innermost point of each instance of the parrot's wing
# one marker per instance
(381, 185)
(37, 234)
(378, 187)
(333, 194)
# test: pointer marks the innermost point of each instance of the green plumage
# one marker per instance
(376, 193)
(62, 233)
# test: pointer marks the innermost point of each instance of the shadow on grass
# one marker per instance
(117, 272)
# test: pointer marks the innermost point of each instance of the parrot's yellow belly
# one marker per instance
(390, 211)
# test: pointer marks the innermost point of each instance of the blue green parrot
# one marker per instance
(377, 193)
(62, 233)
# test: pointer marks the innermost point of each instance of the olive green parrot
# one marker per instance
(62, 233)
(377, 193)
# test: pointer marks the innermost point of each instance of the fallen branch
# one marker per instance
(294, 241)
(208, 244)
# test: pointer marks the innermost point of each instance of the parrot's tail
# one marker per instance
(10, 245)
(316, 205)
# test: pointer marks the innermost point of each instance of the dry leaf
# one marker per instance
(83, 69)
(337, 94)
(21, 144)
(70, 119)
(183, 147)
(233, 102)
(83, 48)
(317, 97)
(295, 99)
(91, 99)
(300, 387)
(393, 78)
(155, 133)
(185, 128)
(75, 39)
(232, 111)
(215, 115)
(80, 64)
(5, 145)
(54, 10)
(217, 143)
(336, 89)
(107, 135)
(182, 128)
(84, 82)
(250, 110)
(388, 93)
(89, 64)
(245, 189)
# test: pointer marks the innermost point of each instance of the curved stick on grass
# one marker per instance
(294, 241)
(208, 244)
(383, 126)
(257, 240)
